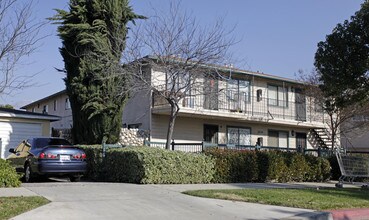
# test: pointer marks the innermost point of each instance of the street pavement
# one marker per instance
(86, 200)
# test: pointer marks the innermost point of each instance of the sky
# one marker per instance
(274, 37)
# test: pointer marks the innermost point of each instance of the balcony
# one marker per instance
(244, 107)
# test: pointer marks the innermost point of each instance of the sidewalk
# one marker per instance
(16, 192)
(345, 214)
(38, 189)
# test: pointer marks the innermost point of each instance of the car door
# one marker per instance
(18, 157)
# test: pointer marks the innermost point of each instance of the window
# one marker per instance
(277, 96)
(45, 109)
(259, 95)
(67, 104)
(178, 82)
(238, 93)
(43, 142)
(211, 92)
(318, 106)
(238, 90)
(239, 136)
(55, 104)
(189, 100)
(277, 138)
(134, 126)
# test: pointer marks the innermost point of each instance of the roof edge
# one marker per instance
(45, 98)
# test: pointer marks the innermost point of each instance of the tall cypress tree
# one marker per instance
(93, 34)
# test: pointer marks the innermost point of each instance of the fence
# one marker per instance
(201, 146)
(187, 147)
(106, 146)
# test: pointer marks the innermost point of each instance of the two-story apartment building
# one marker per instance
(241, 109)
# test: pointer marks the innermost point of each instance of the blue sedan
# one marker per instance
(46, 156)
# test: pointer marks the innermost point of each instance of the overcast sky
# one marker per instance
(276, 37)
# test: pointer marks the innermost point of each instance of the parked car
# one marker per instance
(46, 156)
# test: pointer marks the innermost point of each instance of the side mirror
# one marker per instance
(11, 150)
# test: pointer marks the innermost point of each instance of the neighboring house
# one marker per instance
(55, 104)
(356, 134)
(252, 107)
(16, 125)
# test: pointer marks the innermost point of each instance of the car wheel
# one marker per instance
(28, 175)
(74, 178)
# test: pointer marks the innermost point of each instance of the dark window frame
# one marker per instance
(278, 131)
(238, 127)
(278, 100)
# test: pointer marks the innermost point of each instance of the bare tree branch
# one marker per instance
(182, 53)
(340, 119)
(19, 37)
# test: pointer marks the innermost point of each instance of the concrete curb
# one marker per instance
(311, 216)
(16, 192)
(344, 214)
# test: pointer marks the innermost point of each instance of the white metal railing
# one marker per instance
(249, 105)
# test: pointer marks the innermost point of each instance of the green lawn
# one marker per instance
(12, 206)
(317, 199)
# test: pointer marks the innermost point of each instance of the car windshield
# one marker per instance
(43, 142)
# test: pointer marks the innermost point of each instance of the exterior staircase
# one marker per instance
(323, 137)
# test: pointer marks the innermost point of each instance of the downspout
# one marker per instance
(252, 95)
(151, 106)
(284, 104)
(150, 118)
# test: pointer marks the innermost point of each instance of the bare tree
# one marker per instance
(185, 55)
(19, 36)
(339, 119)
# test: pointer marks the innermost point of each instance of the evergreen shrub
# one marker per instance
(8, 175)
(152, 165)
(148, 165)
(267, 166)
(94, 159)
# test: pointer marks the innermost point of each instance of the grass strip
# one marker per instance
(13, 206)
(311, 198)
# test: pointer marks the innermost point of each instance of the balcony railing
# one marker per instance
(243, 104)
(202, 146)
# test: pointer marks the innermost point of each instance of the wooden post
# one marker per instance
(103, 149)
(172, 144)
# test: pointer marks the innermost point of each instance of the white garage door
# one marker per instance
(12, 133)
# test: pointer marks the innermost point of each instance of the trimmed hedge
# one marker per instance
(153, 165)
(262, 166)
(148, 165)
(8, 175)
(95, 167)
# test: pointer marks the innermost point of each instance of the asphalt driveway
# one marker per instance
(86, 200)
